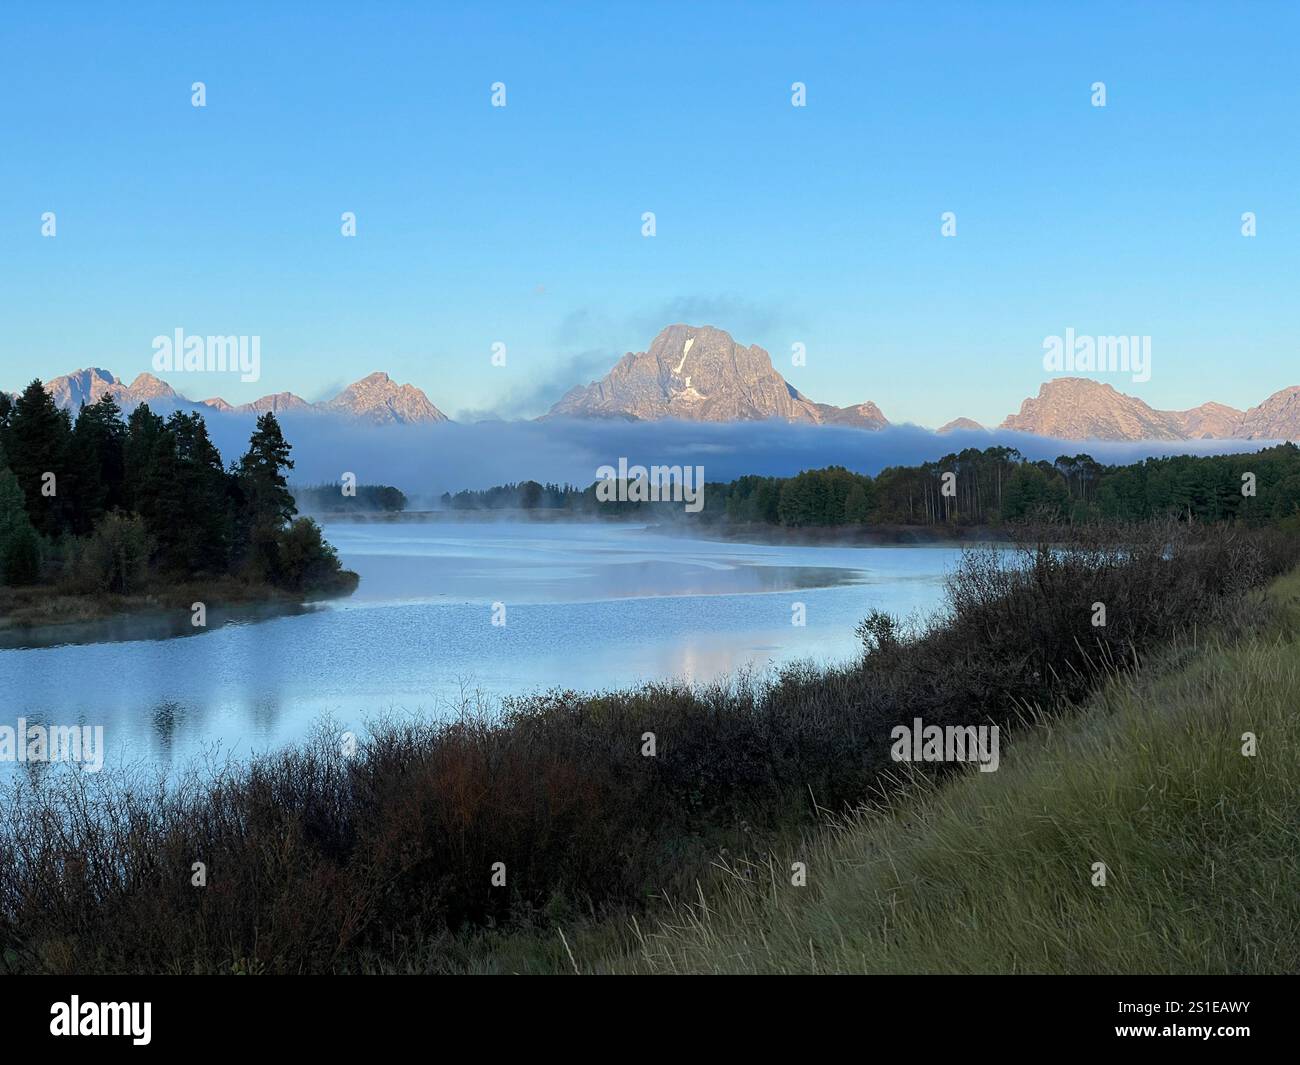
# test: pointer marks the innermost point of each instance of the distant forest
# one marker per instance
(333, 499)
(992, 487)
(526, 495)
(107, 504)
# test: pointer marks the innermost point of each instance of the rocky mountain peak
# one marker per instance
(146, 386)
(1079, 408)
(1277, 418)
(700, 373)
(377, 398)
(965, 424)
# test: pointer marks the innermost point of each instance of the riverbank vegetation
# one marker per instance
(1180, 778)
(472, 843)
(105, 513)
(972, 489)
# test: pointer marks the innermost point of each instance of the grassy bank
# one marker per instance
(321, 860)
(994, 873)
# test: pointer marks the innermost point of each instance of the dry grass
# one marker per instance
(992, 873)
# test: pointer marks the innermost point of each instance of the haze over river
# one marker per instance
(587, 606)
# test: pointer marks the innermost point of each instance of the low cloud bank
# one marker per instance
(427, 460)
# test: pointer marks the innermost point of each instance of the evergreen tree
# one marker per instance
(20, 548)
(200, 499)
(266, 503)
(306, 561)
(6, 414)
(857, 507)
(37, 443)
(149, 476)
(97, 466)
(801, 501)
(1033, 492)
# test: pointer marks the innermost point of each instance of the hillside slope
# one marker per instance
(993, 873)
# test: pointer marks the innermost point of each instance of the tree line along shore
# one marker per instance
(990, 489)
(105, 513)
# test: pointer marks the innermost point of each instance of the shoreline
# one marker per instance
(36, 615)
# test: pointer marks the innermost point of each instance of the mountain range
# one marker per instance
(699, 373)
(376, 399)
(1079, 408)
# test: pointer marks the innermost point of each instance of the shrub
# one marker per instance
(115, 557)
(305, 560)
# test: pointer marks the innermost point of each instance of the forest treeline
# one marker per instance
(995, 486)
(110, 504)
(525, 495)
(339, 499)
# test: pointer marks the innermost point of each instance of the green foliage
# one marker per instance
(522, 496)
(879, 632)
(369, 498)
(748, 499)
(20, 547)
(37, 443)
(97, 464)
(115, 557)
(266, 504)
(530, 495)
(13, 509)
(261, 473)
(20, 557)
(822, 497)
(1033, 492)
(999, 486)
(201, 494)
(147, 495)
(306, 560)
(857, 507)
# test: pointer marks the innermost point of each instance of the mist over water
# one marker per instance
(426, 460)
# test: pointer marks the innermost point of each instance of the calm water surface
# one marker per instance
(586, 606)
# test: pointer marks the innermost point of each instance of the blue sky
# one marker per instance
(817, 225)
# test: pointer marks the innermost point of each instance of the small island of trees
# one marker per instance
(105, 507)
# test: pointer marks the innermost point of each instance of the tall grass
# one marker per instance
(995, 872)
(317, 861)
